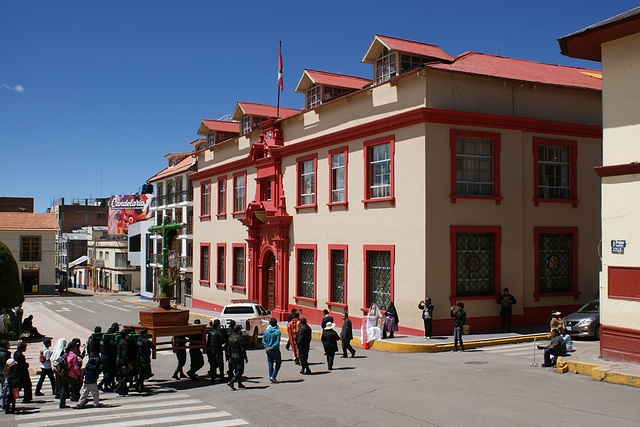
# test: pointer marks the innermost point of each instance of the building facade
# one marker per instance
(31, 238)
(444, 177)
(174, 199)
(615, 43)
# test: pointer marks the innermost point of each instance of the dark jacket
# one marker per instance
(108, 348)
(215, 342)
(91, 371)
(235, 348)
(346, 334)
(4, 356)
(426, 308)
(557, 346)
(145, 347)
(22, 367)
(303, 337)
(326, 319)
(330, 340)
(124, 353)
(392, 312)
(459, 317)
(506, 301)
(93, 345)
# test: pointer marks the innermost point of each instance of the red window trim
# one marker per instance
(300, 160)
(313, 300)
(365, 249)
(221, 284)
(496, 137)
(574, 261)
(202, 204)
(330, 301)
(365, 152)
(244, 266)
(573, 170)
(226, 190)
(339, 150)
(200, 281)
(235, 175)
(497, 243)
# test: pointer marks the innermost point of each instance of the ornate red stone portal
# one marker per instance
(267, 223)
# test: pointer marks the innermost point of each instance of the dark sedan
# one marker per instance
(585, 322)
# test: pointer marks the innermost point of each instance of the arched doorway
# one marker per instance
(269, 284)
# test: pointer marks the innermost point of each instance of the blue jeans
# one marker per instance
(274, 358)
(457, 336)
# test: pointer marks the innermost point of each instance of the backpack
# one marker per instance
(60, 364)
(41, 356)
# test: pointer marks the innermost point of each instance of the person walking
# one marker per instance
(58, 351)
(303, 343)
(71, 380)
(330, 343)
(237, 356)
(459, 317)
(230, 329)
(124, 361)
(196, 359)
(145, 347)
(9, 383)
(93, 342)
(45, 368)
(326, 319)
(271, 344)
(180, 343)
(506, 301)
(108, 357)
(292, 331)
(90, 373)
(427, 316)
(289, 318)
(215, 353)
(391, 321)
(346, 335)
(5, 355)
(22, 372)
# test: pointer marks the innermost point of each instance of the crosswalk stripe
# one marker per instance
(168, 420)
(91, 419)
(113, 306)
(48, 302)
(53, 411)
(223, 423)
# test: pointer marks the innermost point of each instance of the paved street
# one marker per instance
(493, 386)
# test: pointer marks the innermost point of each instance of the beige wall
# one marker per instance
(46, 266)
(419, 222)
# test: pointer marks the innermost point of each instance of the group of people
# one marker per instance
(73, 369)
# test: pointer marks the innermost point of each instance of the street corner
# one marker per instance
(597, 372)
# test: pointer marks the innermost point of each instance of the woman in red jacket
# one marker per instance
(71, 380)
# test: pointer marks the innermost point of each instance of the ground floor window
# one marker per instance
(337, 274)
(238, 266)
(475, 258)
(306, 271)
(379, 262)
(555, 254)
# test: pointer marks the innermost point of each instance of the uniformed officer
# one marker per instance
(215, 343)
(181, 355)
(108, 357)
(125, 364)
(195, 354)
(145, 346)
(93, 342)
(237, 356)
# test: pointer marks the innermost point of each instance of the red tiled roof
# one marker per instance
(218, 125)
(260, 110)
(406, 46)
(334, 80)
(521, 70)
(181, 166)
(28, 221)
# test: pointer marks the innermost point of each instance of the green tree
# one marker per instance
(11, 294)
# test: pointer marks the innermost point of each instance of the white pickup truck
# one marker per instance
(250, 315)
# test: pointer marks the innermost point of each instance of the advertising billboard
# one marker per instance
(127, 210)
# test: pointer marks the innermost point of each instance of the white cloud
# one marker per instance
(16, 88)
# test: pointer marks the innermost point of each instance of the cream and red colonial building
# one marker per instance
(439, 176)
(615, 43)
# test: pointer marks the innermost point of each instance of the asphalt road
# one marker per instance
(494, 386)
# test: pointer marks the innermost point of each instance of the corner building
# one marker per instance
(440, 176)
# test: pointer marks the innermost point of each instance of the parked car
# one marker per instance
(584, 322)
(250, 315)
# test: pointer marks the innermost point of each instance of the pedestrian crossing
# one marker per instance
(522, 350)
(163, 406)
(68, 304)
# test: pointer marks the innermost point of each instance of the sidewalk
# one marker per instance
(585, 361)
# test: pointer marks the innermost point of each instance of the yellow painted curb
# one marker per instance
(601, 373)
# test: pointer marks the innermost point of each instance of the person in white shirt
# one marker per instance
(45, 368)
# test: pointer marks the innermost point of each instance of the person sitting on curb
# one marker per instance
(555, 348)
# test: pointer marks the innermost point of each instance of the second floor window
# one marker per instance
(314, 96)
(338, 178)
(238, 193)
(385, 67)
(553, 172)
(222, 194)
(474, 166)
(380, 171)
(30, 248)
(307, 183)
(205, 206)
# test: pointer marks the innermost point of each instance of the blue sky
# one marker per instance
(116, 85)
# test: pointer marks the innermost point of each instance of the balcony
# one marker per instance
(172, 198)
(187, 231)
(186, 196)
(157, 201)
(186, 262)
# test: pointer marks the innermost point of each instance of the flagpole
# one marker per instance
(279, 77)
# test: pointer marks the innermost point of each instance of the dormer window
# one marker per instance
(211, 138)
(314, 96)
(385, 66)
(172, 162)
(249, 123)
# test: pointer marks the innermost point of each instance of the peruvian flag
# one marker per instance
(280, 84)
